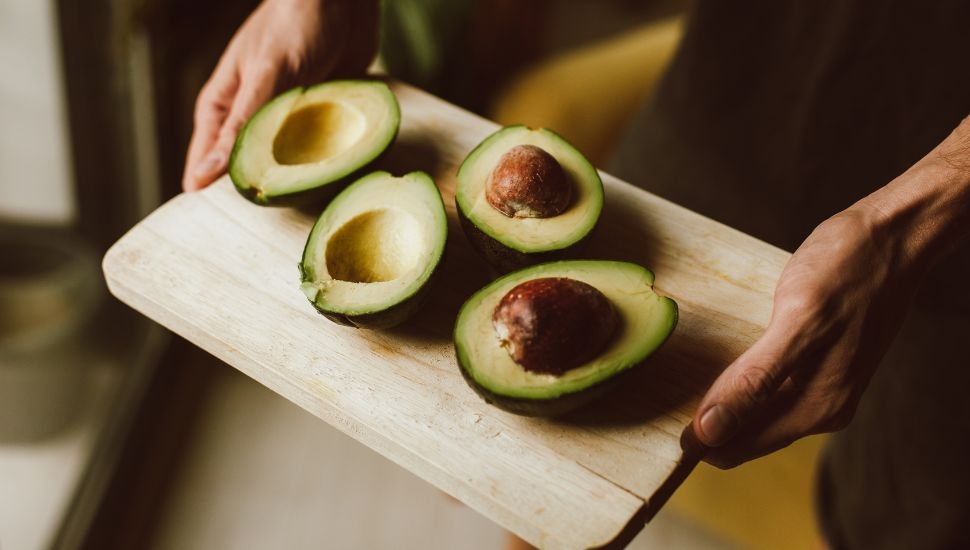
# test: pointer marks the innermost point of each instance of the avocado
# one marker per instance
(485, 345)
(372, 252)
(308, 143)
(527, 196)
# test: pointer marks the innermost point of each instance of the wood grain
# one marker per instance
(222, 273)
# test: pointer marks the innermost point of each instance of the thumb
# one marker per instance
(254, 91)
(743, 389)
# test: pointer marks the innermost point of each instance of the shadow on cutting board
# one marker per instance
(653, 389)
(409, 153)
(656, 388)
(460, 274)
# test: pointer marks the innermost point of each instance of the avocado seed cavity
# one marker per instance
(318, 132)
(554, 324)
(528, 182)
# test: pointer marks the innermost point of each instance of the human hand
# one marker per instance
(284, 43)
(838, 305)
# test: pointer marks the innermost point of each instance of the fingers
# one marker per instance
(794, 413)
(809, 399)
(254, 90)
(224, 105)
(743, 388)
(797, 336)
(773, 427)
(211, 109)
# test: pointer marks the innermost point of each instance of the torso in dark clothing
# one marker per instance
(777, 114)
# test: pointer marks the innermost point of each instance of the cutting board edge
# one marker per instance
(355, 429)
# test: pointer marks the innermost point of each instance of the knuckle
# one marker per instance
(232, 127)
(205, 107)
(261, 70)
(202, 110)
(755, 384)
(805, 302)
(206, 95)
(228, 133)
(212, 101)
(224, 143)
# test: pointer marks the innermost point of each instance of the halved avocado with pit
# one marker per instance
(371, 254)
(308, 143)
(510, 242)
(645, 320)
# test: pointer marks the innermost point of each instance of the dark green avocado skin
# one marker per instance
(389, 318)
(315, 195)
(503, 259)
(546, 408)
(556, 406)
(318, 195)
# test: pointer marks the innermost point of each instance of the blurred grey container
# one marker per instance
(50, 290)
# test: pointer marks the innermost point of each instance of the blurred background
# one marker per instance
(116, 434)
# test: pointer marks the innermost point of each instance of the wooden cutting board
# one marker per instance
(222, 273)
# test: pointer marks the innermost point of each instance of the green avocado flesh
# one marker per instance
(646, 320)
(509, 243)
(306, 142)
(372, 252)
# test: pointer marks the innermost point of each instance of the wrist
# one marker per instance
(926, 210)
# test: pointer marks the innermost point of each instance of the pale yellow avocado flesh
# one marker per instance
(317, 132)
(306, 138)
(375, 245)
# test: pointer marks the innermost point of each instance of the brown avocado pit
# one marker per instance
(553, 324)
(528, 182)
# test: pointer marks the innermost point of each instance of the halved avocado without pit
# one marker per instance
(516, 234)
(373, 250)
(643, 321)
(308, 143)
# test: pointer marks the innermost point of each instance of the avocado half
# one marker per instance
(305, 143)
(511, 243)
(646, 320)
(371, 253)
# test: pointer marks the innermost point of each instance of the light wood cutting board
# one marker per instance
(222, 273)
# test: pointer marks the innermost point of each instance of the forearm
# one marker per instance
(927, 208)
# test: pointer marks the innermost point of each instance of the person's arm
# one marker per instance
(283, 43)
(838, 305)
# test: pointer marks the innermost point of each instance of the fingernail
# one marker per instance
(211, 162)
(718, 425)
